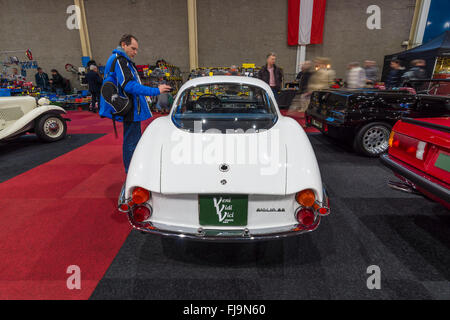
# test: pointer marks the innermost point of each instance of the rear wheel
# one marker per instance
(51, 127)
(372, 140)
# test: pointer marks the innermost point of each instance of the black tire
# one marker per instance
(372, 140)
(51, 128)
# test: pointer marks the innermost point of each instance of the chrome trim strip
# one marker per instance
(238, 235)
(123, 200)
(325, 203)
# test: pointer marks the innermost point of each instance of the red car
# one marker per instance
(419, 154)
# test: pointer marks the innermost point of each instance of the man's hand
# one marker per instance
(164, 88)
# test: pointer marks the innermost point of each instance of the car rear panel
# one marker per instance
(436, 154)
(264, 211)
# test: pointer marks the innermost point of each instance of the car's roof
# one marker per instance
(225, 79)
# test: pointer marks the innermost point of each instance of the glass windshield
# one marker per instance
(224, 106)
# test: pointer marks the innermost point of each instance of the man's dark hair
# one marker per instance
(39, 68)
(54, 70)
(397, 61)
(127, 39)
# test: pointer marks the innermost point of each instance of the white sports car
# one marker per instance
(225, 165)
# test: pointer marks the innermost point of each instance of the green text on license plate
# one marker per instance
(317, 123)
(223, 210)
(443, 162)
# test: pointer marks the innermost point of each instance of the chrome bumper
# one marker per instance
(215, 235)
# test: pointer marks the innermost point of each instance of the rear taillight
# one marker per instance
(306, 217)
(391, 138)
(124, 207)
(140, 195)
(411, 146)
(323, 211)
(306, 198)
(141, 213)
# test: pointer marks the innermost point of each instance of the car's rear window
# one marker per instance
(226, 107)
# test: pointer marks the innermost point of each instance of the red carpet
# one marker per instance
(63, 213)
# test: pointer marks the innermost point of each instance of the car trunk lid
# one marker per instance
(203, 163)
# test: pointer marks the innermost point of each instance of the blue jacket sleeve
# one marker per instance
(136, 88)
(125, 76)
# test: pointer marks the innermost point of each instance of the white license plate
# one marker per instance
(317, 124)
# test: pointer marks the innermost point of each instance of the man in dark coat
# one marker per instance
(57, 82)
(42, 81)
(95, 84)
(271, 74)
(394, 78)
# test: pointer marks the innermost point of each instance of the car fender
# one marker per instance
(145, 166)
(26, 122)
(302, 167)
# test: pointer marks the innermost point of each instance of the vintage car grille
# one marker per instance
(10, 114)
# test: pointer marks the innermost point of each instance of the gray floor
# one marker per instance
(407, 236)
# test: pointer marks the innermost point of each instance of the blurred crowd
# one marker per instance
(318, 74)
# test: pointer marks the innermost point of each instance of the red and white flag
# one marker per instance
(305, 21)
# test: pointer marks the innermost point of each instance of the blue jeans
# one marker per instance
(131, 135)
(275, 93)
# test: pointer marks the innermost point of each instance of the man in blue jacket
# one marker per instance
(127, 78)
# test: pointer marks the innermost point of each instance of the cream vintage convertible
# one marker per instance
(21, 115)
(225, 165)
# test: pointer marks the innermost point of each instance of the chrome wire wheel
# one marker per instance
(53, 127)
(376, 140)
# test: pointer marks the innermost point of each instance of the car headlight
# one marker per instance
(43, 101)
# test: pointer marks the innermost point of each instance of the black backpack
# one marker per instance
(115, 95)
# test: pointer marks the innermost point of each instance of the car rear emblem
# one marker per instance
(224, 182)
(224, 167)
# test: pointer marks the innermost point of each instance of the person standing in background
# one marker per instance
(370, 67)
(356, 77)
(394, 78)
(42, 80)
(95, 84)
(304, 75)
(271, 74)
(57, 82)
(16, 76)
(323, 77)
(417, 71)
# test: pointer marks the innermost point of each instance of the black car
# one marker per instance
(364, 117)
